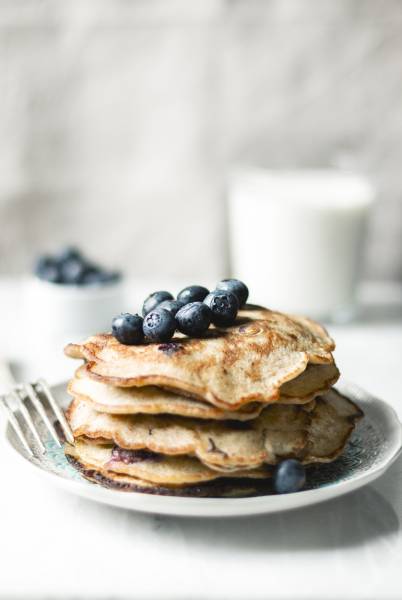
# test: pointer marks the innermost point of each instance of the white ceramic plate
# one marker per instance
(375, 444)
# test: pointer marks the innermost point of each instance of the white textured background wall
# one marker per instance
(120, 118)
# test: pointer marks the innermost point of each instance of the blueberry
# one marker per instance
(96, 276)
(193, 293)
(72, 271)
(93, 275)
(289, 476)
(153, 300)
(110, 276)
(46, 268)
(171, 305)
(159, 325)
(69, 253)
(224, 307)
(71, 268)
(194, 318)
(236, 287)
(127, 329)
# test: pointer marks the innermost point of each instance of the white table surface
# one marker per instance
(55, 545)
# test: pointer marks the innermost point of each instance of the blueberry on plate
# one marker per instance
(153, 300)
(289, 476)
(159, 325)
(127, 329)
(171, 305)
(236, 287)
(193, 293)
(194, 318)
(224, 307)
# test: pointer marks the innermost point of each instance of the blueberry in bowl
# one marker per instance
(70, 267)
(69, 253)
(47, 269)
(95, 276)
(72, 271)
(71, 295)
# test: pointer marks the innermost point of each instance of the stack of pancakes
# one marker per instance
(210, 416)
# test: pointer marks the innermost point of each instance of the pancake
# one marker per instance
(317, 434)
(218, 488)
(315, 380)
(147, 466)
(149, 400)
(227, 368)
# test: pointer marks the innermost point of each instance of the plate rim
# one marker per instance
(232, 507)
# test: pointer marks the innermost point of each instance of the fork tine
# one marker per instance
(25, 413)
(31, 392)
(57, 411)
(14, 423)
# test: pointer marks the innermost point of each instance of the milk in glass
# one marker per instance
(296, 238)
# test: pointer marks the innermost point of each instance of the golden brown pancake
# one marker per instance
(156, 468)
(315, 380)
(217, 488)
(228, 368)
(317, 434)
(149, 400)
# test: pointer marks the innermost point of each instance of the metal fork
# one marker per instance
(36, 395)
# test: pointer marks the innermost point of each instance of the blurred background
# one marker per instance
(121, 119)
(123, 127)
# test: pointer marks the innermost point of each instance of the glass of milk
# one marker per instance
(296, 238)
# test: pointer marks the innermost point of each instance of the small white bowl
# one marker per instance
(58, 313)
